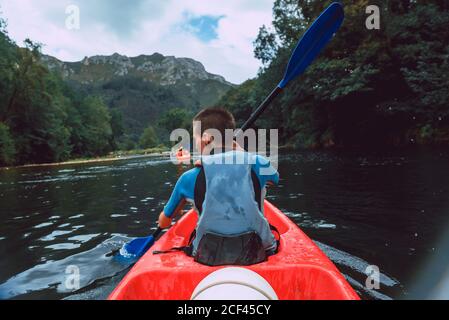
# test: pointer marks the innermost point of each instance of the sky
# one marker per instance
(217, 33)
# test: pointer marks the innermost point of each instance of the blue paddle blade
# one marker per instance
(138, 247)
(314, 41)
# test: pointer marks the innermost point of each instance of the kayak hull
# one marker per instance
(300, 271)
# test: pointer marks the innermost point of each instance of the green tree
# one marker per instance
(127, 143)
(241, 100)
(34, 109)
(368, 87)
(424, 57)
(176, 118)
(95, 129)
(42, 119)
(116, 127)
(7, 149)
(148, 139)
(8, 63)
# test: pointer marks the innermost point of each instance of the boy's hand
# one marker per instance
(164, 222)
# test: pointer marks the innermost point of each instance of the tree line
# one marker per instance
(44, 120)
(368, 88)
(41, 118)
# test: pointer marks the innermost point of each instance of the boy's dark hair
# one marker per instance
(216, 118)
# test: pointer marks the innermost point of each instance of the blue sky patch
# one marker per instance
(203, 27)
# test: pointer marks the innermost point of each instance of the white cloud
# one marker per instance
(114, 26)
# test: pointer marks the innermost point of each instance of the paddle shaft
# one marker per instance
(256, 114)
(154, 238)
(157, 233)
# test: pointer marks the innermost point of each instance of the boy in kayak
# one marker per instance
(227, 190)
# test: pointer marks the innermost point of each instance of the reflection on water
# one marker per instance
(361, 209)
(357, 268)
(93, 265)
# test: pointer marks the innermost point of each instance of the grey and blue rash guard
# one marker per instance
(230, 204)
(185, 187)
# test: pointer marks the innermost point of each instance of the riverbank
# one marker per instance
(115, 156)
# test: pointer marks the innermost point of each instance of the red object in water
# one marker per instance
(300, 271)
(183, 156)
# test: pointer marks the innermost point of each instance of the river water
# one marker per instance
(388, 209)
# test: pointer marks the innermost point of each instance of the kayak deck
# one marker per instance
(300, 271)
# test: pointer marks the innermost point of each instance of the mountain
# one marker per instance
(143, 88)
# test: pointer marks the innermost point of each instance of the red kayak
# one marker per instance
(300, 271)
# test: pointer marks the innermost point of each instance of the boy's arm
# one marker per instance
(183, 191)
(164, 221)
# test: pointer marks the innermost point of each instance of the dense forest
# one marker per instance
(45, 119)
(387, 86)
(41, 119)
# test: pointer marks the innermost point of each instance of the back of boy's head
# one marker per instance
(216, 118)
